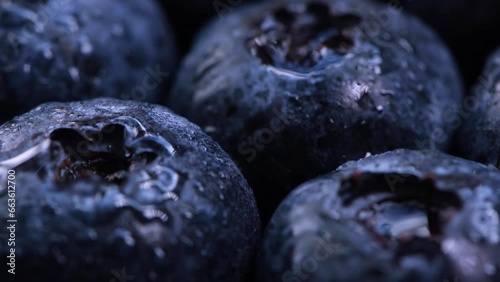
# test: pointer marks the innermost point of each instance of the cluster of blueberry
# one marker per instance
(330, 123)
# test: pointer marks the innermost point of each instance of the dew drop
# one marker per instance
(92, 234)
(47, 53)
(200, 188)
(188, 214)
(27, 68)
(86, 48)
(159, 252)
(74, 73)
(365, 214)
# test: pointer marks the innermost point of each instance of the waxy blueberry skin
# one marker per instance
(69, 50)
(293, 89)
(108, 187)
(399, 216)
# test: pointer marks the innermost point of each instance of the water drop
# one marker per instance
(27, 68)
(159, 252)
(188, 214)
(92, 234)
(86, 48)
(406, 45)
(47, 53)
(200, 188)
(365, 214)
(74, 73)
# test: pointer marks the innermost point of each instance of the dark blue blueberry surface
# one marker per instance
(293, 89)
(399, 216)
(105, 186)
(67, 50)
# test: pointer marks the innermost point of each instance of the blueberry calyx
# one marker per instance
(293, 38)
(110, 151)
(420, 211)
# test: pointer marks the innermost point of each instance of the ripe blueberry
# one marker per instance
(399, 216)
(293, 89)
(60, 50)
(107, 186)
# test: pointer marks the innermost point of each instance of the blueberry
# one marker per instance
(60, 50)
(107, 188)
(399, 216)
(292, 90)
(479, 135)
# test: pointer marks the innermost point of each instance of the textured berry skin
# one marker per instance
(62, 50)
(479, 137)
(287, 117)
(399, 216)
(112, 186)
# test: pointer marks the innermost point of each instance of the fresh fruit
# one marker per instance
(399, 216)
(294, 89)
(479, 136)
(106, 187)
(60, 50)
